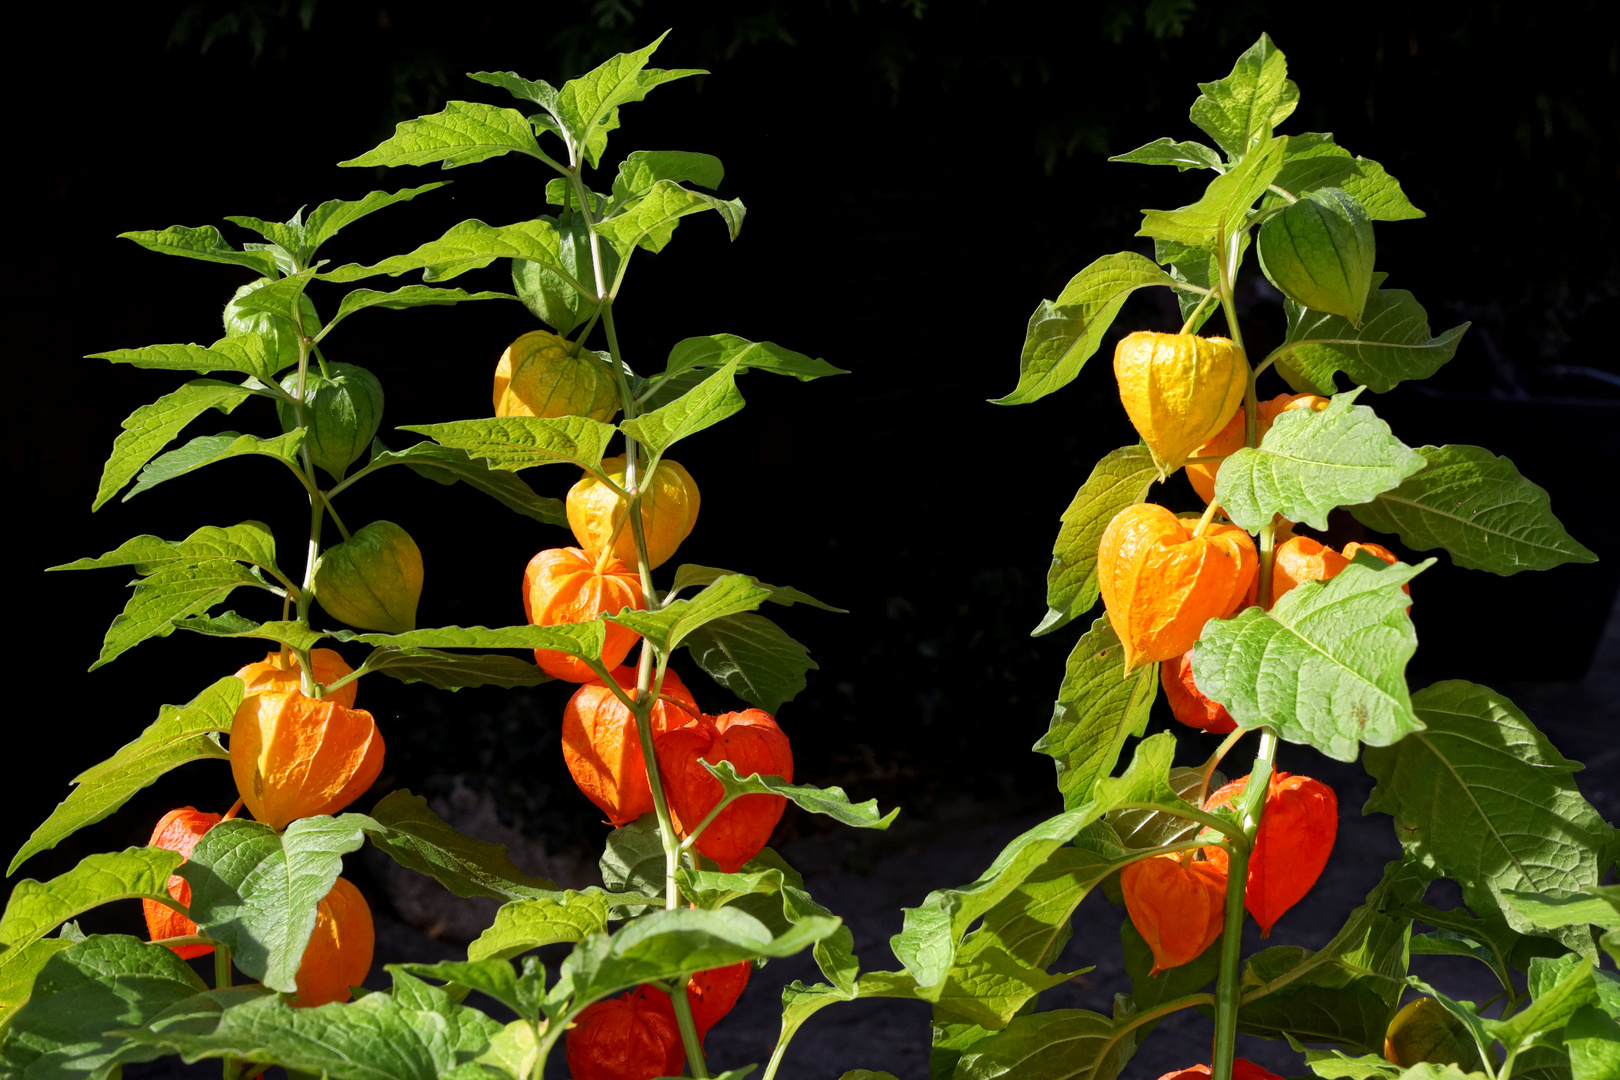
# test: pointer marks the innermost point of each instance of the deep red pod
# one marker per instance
(1187, 702)
(752, 742)
(711, 994)
(631, 1037)
(1297, 830)
(178, 830)
(1242, 1069)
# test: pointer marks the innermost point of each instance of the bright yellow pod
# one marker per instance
(540, 375)
(1179, 390)
(669, 510)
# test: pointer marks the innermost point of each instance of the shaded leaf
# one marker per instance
(294, 635)
(250, 354)
(528, 924)
(753, 658)
(446, 465)
(1391, 346)
(1056, 1045)
(408, 297)
(641, 169)
(250, 542)
(1098, 707)
(404, 826)
(1223, 210)
(649, 222)
(706, 404)
(522, 442)
(469, 246)
(35, 908)
(830, 802)
(18, 970)
(455, 671)
(1183, 155)
(689, 574)
(168, 596)
(583, 640)
(668, 626)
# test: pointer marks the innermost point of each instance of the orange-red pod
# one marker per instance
(752, 742)
(710, 994)
(272, 676)
(1188, 703)
(563, 585)
(1161, 584)
(1178, 907)
(1242, 1069)
(178, 830)
(296, 757)
(1230, 438)
(1297, 830)
(338, 955)
(631, 1037)
(603, 750)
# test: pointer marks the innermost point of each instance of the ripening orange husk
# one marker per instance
(565, 585)
(295, 757)
(1179, 390)
(1297, 828)
(178, 830)
(602, 748)
(1178, 907)
(338, 955)
(1161, 584)
(1188, 703)
(1230, 438)
(669, 511)
(1300, 558)
(270, 675)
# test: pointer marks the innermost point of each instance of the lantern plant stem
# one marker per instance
(1250, 804)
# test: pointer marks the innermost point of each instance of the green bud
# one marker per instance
(1319, 252)
(373, 579)
(279, 329)
(341, 412)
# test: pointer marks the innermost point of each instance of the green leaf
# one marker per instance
(208, 449)
(583, 640)
(1482, 797)
(1552, 1008)
(1391, 346)
(689, 574)
(523, 925)
(1325, 666)
(641, 169)
(534, 91)
(251, 354)
(1256, 97)
(649, 222)
(522, 442)
(588, 107)
(152, 427)
(420, 1036)
(632, 863)
(84, 994)
(1593, 1041)
(168, 596)
(205, 244)
(705, 405)
(1380, 193)
(1138, 829)
(1063, 1044)
(180, 734)
(326, 219)
(279, 298)
(1312, 160)
(780, 901)
(445, 465)
(453, 671)
(1223, 210)
(465, 132)
(1097, 709)
(1596, 907)
(1336, 1065)
(667, 627)
(408, 297)
(830, 802)
(718, 350)
(989, 988)
(556, 300)
(255, 889)
(493, 977)
(1183, 155)
(250, 542)
(1353, 1017)
(294, 635)
(1149, 991)
(414, 836)
(1310, 462)
(19, 968)
(469, 246)
(1194, 266)
(1119, 480)
(36, 908)
(1479, 508)
(753, 658)
(1063, 333)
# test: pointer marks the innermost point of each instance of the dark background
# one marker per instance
(918, 177)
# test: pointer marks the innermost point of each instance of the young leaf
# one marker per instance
(534, 91)
(1380, 193)
(208, 449)
(643, 168)
(989, 987)
(522, 442)
(204, 243)
(414, 836)
(667, 627)
(1482, 797)
(1096, 711)
(1325, 666)
(445, 465)
(1183, 155)
(705, 405)
(1063, 333)
(250, 354)
(471, 245)
(294, 635)
(718, 350)
(523, 925)
(753, 658)
(250, 542)
(1310, 462)
(649, 222)
(1391, 346)
(255, 889)
(1312, 160)
(1256, 97)
(1202, 269)
(1063, 1044)
(168, 596)
(180, 734)
(1118, 480)
(1223, 211)
(831, 802)
(1553, 1006)
(1479, 508)
(83, 996)
(36, 908)
(576, 639)
(289, 236)
(689, 574)
(455, 671)
(400, 299)
(465, 132)
(152, 427)
(326, 219)
(588, 107)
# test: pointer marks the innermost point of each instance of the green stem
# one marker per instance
(1186, 327)
(222, 967)
(689, 1036)
(1251, 803)
(1268, 558)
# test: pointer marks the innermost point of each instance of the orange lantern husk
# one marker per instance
(295, 757)
(1297, 828)
(564, 585)
(339, 952)
(602, 748)
(1177, 904)
(1187, 703)
(178, 830)
(278, 673)
(752, 742)
(632, 1037)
